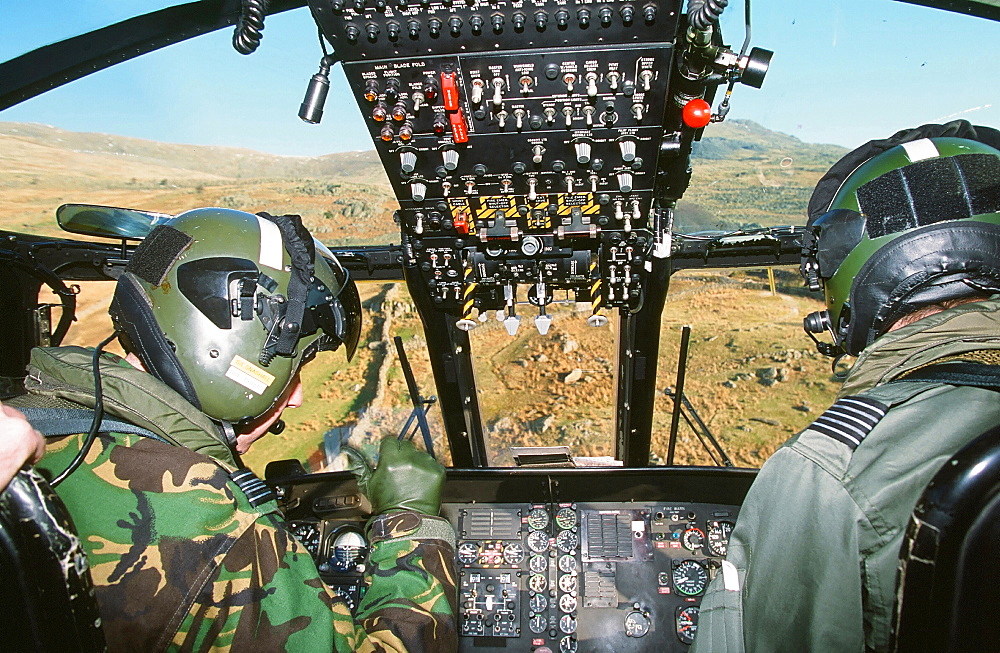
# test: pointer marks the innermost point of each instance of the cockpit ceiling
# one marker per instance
(984, 8)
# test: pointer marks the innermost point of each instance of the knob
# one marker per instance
(536, 153)
(450, 158)
(386, 133)
(562, 18)
(371, 90)
(476, 23)
(628, 149)
(413, 28)
(591, 84)
(405, 131)
(541, 20)
(392, 30)
(625, 182)
(391, 90)
(583, 17)
(649, 13)
(519, 19)
(582, 151)
(628, 88)
(418, 190)
(558, 166)
(605, 15)
(434, 26)
(337, 6)
(519, 167)
(380, 112)
(358, 5)
(440, 123)
(455, 23)
(497, 21)
(407, 161)
(399, 112)
(627, 12)
(352, 33)
(372, 30)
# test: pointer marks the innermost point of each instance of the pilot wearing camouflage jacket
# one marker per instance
(904, 237)
(219, 310)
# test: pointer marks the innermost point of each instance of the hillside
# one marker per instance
(752, 375)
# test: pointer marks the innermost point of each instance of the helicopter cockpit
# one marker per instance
(568, 185)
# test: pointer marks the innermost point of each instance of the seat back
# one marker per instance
(949, 591)
(47, 598)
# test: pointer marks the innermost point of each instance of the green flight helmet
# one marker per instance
(225, 307)
(914, 225)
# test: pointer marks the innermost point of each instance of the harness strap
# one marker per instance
(53, 422)
(980, 375)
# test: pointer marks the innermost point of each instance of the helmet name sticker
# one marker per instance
(271, 244)
(249, 375)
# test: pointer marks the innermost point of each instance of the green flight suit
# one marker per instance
(812, 561)
(188, 554)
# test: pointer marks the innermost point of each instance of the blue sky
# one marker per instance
(844, 71)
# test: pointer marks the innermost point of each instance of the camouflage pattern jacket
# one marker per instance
(184, 559)
(812, 562)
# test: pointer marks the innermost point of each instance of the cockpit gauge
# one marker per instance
(538, 564)
(513, 553)
(687, 623)
(567, 564)
(537, 583)
(307, 532)
(566, 518)
(567, 583)
(566, 541)
(567, 603)
(567, 624)
(349, 549)
(637, 624)
(538, 624)
(538, 603)
(538, 541)
(693, 539)
(538, 518)
(567, 644)
(468, 553)
(718, 537)
(690, 577)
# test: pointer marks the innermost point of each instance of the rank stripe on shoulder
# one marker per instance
(257, 492)
(850, 420)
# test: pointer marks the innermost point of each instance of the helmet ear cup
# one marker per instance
(133, 316)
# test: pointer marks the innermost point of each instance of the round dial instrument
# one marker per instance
(537, 624)
(566, 518)
(513, 553)
(538, 541)
(693, 538)
(690, 577)
(538, 564)
(567, 624)
(687, 623)
(718, 537)
(567, 644)
(567, 564)
(537, 583)
(567, 603)
(538, 518)
(567, 583)
(307, 532)
(567, 541)
(636, 624)
(538, 603)
(468, 553)
(348, 550)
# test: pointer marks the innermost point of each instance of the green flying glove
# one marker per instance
(405, 479)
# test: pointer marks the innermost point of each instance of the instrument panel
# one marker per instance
(552, 560)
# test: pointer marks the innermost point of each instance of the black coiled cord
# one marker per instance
(246, 38)
(706, 13)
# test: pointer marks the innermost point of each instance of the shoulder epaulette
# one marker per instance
(257, 492)
(850, 420)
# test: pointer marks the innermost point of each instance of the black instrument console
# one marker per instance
(536, 144)
(553, 560)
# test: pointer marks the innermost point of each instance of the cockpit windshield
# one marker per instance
(196, 124)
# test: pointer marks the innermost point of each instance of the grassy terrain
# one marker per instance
(534, 390)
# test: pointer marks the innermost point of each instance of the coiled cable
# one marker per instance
(246, 38)
(703, 13)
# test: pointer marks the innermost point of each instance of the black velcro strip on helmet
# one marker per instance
(157, 252)
(931, 191)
